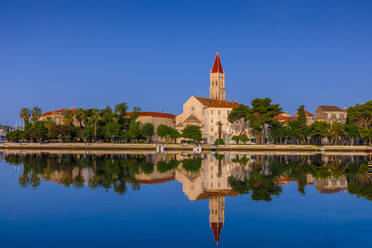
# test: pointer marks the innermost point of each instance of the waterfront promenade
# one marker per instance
(178, 147)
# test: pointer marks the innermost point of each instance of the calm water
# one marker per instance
(180, 200)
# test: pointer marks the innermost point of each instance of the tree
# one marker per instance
(25, 115)
(192, 132)
(112, 130)
(360, 115)
(79, 115)
(95, 117)
(163, 131)
(148, 131)
(68, 118)
(134, 130)
(320, 129)
(36, 113)
(352, 132)
(239, 115)
(261, 114)
(219, 141)
(219, 128)
(121, 109)
(14, 136)
(337, 130)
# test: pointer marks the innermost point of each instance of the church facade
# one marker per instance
(210, 113)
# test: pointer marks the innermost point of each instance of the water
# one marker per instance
(182, 200)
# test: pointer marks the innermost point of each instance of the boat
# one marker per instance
(197, 149)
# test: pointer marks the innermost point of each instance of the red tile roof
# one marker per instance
(212, 103)
(155, 114)
(217, 67)
(329, 108)
(283, 118)
(55, 111)
(307, 113)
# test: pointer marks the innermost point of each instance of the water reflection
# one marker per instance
(206, 177)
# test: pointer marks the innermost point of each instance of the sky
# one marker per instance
(156, 54)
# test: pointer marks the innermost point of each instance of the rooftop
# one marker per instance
(329, 108)
(212, 103)
(217, 67)
(154, 114)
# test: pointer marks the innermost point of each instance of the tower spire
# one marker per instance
(217, 67)
(217, 81)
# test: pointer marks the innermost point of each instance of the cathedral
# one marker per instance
(210, 113)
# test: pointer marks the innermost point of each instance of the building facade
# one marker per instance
(58, 116)
(156, 119)
(210, 113)
(330, 114)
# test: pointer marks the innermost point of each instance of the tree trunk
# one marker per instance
(262, 135)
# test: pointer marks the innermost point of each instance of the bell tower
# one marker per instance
(217, 81)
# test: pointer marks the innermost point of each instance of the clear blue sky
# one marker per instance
(156, 54)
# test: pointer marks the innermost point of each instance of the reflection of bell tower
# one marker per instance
(216, 215)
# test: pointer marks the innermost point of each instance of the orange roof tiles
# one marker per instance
(212, 103)
(155, 114)
(217, 67)
(55, 111)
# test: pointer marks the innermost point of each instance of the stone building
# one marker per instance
(330, 114)
(209, 113)
(156, 119)
(58, 116)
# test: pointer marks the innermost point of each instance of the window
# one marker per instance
(337, 115)
(211, 139)
(211, 120)
(211, 112)
(192, 108)
(219, 112)
(228, 112)
(211, 129)
(329, 115)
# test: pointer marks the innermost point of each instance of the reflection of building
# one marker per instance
(156, 119)
(330, 114)
(211, 182)
(331, 184)
(208, 112)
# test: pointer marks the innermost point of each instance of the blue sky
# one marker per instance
(156, 54)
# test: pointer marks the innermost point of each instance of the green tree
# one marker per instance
(148, 130)
(219, 141)
(36, 113)
(192, 132)
(25, 114)
(112, 130)
(262, 114)
(240, 115)
(14, 136)
(319, 130)
(68, 118)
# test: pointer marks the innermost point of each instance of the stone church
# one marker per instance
(210, 113)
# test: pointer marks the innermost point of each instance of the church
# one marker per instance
(210, 113)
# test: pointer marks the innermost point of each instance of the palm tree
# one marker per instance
(219, 125)
(36, 113)
(25, 114)
(95, 116)
(79, 115)
(68, 118)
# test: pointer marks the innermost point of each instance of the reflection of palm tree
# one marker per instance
(219, 157)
